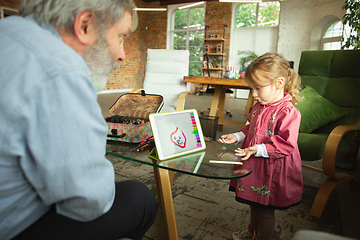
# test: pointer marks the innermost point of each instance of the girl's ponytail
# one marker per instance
(293, 86)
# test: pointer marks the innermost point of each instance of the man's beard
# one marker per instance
(100, 63)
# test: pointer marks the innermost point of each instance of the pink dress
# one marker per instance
(275, 181)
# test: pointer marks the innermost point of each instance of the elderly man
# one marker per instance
(55, 182)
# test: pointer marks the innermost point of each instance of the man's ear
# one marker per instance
(84, 27)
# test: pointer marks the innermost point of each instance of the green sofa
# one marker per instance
(330, 113)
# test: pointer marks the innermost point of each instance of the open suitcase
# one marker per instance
(129, 119)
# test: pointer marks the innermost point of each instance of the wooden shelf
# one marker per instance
(214, 69)
(214, 39)
(215, 54)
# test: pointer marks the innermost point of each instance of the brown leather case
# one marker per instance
(133, 106)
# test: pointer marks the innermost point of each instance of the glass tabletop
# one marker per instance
(198, 164)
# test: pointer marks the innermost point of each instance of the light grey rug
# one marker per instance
(206, 210)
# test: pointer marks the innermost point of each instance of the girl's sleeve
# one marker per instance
(261, 151)
(284, 141)
(240, 137)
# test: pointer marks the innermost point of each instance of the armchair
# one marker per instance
(330, 114)
(164, 73)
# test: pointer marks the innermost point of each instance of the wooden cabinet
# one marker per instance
(213, 60)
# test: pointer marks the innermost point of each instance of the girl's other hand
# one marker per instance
(246, 153)
(228, 139)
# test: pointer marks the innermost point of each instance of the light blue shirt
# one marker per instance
(52, 133)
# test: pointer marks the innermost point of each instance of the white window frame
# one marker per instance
(170, 27)
(170, 30)
(236, 6)
(345, 32)
(329, 40)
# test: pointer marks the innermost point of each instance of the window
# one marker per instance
(331, 37)
(264, 14)
(187, 33)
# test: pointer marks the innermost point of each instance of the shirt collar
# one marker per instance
(287, 97)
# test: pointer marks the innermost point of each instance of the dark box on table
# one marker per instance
(133, 106)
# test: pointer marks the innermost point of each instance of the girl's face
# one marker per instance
(269, 93)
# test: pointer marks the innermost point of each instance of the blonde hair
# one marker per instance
(267, 68)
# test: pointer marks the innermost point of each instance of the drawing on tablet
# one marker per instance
(178, 138)
(177, 133)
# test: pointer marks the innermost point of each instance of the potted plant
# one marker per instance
(218, 62)
(247, 59)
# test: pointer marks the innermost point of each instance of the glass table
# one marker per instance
(197, 164)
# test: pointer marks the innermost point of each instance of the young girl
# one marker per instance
(270, 144)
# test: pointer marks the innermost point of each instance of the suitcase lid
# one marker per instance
(137, 105)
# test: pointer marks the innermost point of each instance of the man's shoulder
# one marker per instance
(43, 45)
(33, 58)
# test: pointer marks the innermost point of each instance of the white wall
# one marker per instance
(300, 28)
(299, 25)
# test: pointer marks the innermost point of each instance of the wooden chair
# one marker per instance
(335, 77)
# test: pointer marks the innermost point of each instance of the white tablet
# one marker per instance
(176, 133)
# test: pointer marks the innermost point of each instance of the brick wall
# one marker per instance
(297, 21)
(216, 16)
(151, 33)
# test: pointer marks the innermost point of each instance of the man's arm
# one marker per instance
(66, 138)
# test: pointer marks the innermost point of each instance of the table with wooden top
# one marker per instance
(218, 101)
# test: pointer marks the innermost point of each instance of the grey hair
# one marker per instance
(62, 13)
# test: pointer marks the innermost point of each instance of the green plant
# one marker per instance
(247, 59)
(352, 18)
(218, 62)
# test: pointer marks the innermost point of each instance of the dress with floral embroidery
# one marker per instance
(275, 181)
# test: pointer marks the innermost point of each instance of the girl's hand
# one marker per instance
(228, 139)
(246, 153)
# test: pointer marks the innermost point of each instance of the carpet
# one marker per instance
(206, 210)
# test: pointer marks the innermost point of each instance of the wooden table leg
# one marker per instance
(163, 179)
(215, 101)
(221, 110)
(218, 102)
(158, 185)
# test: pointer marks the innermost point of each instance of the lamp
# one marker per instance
(191, 5)
(150, 9)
